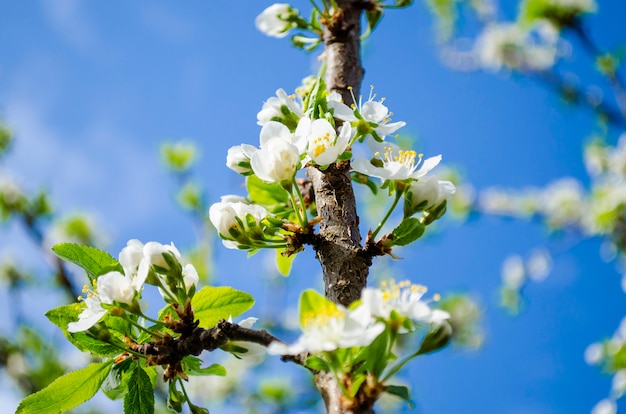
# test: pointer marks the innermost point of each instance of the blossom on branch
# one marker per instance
(276, 20)
(401, 166)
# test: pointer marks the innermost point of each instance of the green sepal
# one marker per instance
(438, 337)
(360, 178)
(409, 230)
(175, 398)
(357, 381)
(94, 261)
(68, 391)
(316, 363)
(63, 315)
(373, 17)
(212, 304)
(402, 392)
(193, 366)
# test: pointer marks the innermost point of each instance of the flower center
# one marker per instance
(404, 291)
(321, 317)
(320, 144)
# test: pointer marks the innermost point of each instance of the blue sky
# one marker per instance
(91, 89)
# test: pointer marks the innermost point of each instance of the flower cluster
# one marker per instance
(395, 308)
(153, 263)
(315, 128)
(341, 338)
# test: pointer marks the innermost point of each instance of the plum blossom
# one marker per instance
(231, 221)
(238, 158)
(405, 299)
(371, 112)
(402, 166)
(280, 107)
(324, 145)
(276, 162)
(274, 21)
(108, 288)
(331, 328)
(429, 192)
(508, 45)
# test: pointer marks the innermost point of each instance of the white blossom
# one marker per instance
(131, 255)
(273, 108)
(508, 45)
(324, 145)
(238, 158)
(430, 192)
(403, 298)
(329, 329)
(402, 166)
(229, 218)
(277, 161)
(374, 112)
(274, 20)
(605, 406)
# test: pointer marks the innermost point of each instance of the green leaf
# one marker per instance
(402, 392)
(212, 304)
(65, 314)
(140, 396)
(270, 195)
(66, 392)
(95, 261)
(409, 230)
(283, 263)
(192, 366)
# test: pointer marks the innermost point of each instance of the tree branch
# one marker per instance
(339, 250)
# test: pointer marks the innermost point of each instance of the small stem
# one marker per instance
(316, 7)
(305, 219)
(384, 220)
(141, 328)
(296, 209)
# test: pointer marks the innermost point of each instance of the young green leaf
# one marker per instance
(212, 304)
(140, 396)
(402, 392)
(270, 195)
(94, 261)
(192, 366)
(409, 230)
(67, 392)
(65, 314)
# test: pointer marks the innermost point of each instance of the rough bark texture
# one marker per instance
(340, 253)
(344, 264)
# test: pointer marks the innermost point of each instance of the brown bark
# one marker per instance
(339, 251)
